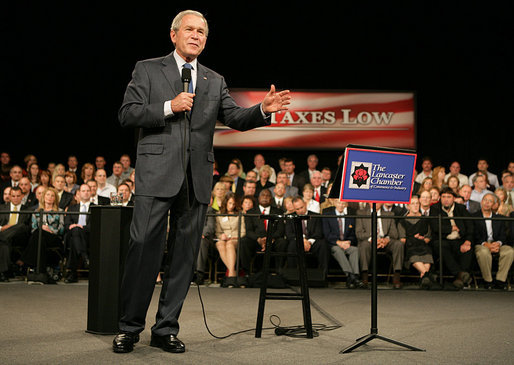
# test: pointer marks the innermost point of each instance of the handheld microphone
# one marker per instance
(186, 78)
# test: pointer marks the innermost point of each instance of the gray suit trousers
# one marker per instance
(349, 264)
(395, 247)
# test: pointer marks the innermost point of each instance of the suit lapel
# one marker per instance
(201, 89)
(170, 70)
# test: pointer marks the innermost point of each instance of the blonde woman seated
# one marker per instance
(308, 194)
(218, 194)
(227, 233)
(502, 207)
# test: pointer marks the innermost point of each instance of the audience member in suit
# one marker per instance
(7, 194)
(65, 198)
(471, 205)
(326, 177)
(259, 161)
(308, 198)
(117, 175)
(294, 179)
(279, 192)
(252, 176)
(291, 191)
(415, 234)
(313, 239)
(100, 163)
(342, 241)
(95, 198)
(29, 197)
(312, 164)
(14, 229)
(126, 194)
(256, 233)
(319, 190)
(15, 174)
(264, 179)
(479, 187)
(490, 239)
(229, 229)
(52, 231)
(387, 239)
(233, 172)
(482, 167)
(249, 188)
(457, 235)
(76, 229)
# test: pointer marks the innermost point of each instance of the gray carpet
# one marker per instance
(45, 325)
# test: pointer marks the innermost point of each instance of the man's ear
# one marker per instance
(173, 36)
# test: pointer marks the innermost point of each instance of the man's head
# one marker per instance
(72, 162)
(24, 185)
(233, 170)
(289, 166)
(425, 198)
(414, 204)
(100, 176)
(508, 182)
(479, 182)
(487, 203)
(447, 198)
(282, 178)
(316, 179)
(312, 162)
(326, 174)
(465, 192)
(16, 195)
(5, 158)
(426, 164)
(117, 168)
(259, 161)
(340, 205)
(482, 165)
(16, 173)
(251, 176)
(93, 186)
(39, 193)
(299, 206)
(455, 168)
(249, 187)
(510, 167)
(100, 162)
(84, 193)
(59, 183)
(279, 190)
(125, 162)
(265, 198)
(7, 194)
(124, 190)
(188, 33)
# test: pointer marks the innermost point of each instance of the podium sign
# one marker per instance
(377, 175)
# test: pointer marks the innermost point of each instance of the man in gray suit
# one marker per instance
(174, 174)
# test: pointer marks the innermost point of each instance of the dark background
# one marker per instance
(66, 69)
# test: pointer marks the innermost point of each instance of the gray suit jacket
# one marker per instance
(159, 165)
(363, 226)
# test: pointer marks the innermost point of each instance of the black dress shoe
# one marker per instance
(501, 285)
(72, 278)
(124, 342)
(169, 343)
(488, 285)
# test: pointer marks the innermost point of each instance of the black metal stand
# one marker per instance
(374, 327)
(304, 289)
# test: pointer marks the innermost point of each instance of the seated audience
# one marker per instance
(218, 195)
(508, 185)
(294, 179)
(127, 199)
(415, 234)
(58, 170)
(455, 171)
(312, 164)
(435, 193)
(342, 242)
(256, 234)
(252, 176)
(228, 231)
(438, 174)
(5, 166)
(279, 195)
(127, 169)
(502, 208)
(479, 188)
(88, 172)
(453, 183)
(73, 165)
(258, 162)
(313, 239)
(425, 202)
(471, 205)
(71, 182)
(308, 198)
(95, 198)
(28, 197)
(264, 182)
(426, 167)
(52, 231)
(45, 179)
(326, 177)
(457, 235)
(490, 240)
(104, 188)
(51, 168)
(291, 191)
(65, 198)
(7, 195)
(33, 175)
(76, 229)
(117, 175)
(387, 239)
(482, 167)
(319, 191)
(234, 172)
(15, 174)
(249, 188)
(288, 206)
(29, 160)
(426, 184)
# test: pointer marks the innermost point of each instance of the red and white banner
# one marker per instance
(320, 120)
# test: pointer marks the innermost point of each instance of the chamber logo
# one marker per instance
(361, 172)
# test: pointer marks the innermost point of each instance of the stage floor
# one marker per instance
(45, 324)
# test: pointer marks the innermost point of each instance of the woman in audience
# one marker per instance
(44, 179)
(71, 182)
(453, 183)
(88, 172)
(438, 175)
(308, 193)
(29, 160)
(218, 195)
(228, 231)
(503, 208)
(33, 175)
(248, 203)
(263, 182)
(435, 193)
(426, 184)
(288, 205)
(52, 231)
(415, 234)
(58, 170)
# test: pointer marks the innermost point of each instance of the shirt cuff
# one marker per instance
(167, 109)
(311, 240)
(264, 115)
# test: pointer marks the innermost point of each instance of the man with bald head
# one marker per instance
(104, 188)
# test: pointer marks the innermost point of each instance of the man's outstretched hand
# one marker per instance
(276, 101)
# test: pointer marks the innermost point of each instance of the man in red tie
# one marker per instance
(319, 190)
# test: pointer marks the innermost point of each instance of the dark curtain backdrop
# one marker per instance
(66, 68)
